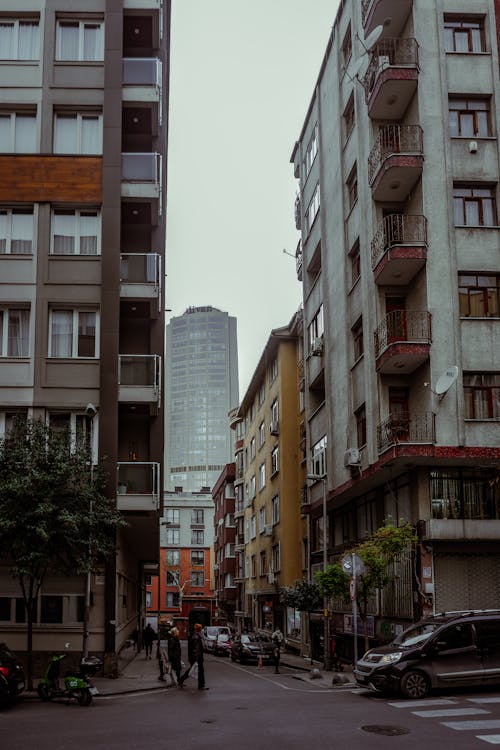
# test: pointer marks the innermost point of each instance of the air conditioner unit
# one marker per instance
(317, 347)
(268, 529)
(383, 62)
(352, 457)
(274, 427)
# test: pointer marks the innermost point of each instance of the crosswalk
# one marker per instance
(457, 714)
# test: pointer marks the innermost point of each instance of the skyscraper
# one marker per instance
(201, 388)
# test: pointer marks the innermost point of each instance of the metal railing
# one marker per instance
(139, 478)
(298, 260)
(141, 268)
(398, 229)
(140, 371)
(394, 139)
(402, 427)
(413, 326)
(141, 71)
(389, 53)
(141, 167)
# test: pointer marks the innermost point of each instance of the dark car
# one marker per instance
(252, 647)
(455, 649)
(11, 675)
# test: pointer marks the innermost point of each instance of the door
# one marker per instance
(455, 658)
(395, 308)
(488, 637)
(400, 415)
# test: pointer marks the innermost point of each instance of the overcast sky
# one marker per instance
(242, 76)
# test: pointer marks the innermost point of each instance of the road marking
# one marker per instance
(102, 697)
(472, 725)
(484, 700)
(493, 739)
(411, 704)
(450, 712)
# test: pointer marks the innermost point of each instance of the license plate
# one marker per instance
(93, 691)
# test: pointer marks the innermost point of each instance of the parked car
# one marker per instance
(11, 675)
(455, 649)
(211, 637)
(252, 647)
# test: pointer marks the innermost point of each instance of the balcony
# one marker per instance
(298, 260)
(143, 74)
(391, 14)
(396, 161)
(399, 249)
(140, 276)
(142, 177)
(143, 4)
(402, 341)
(138, 486)
(391, 79)
(407, 429)
(139, 379)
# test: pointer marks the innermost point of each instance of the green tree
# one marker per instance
(54, 516)
(385, 547)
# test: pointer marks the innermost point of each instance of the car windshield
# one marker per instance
(255, 638)
(416, 635)
(212, 632)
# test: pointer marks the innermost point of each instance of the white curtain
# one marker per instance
(25, 134)
(7, 46)
(28, 44)
(88, 226)
(63, 230)
(4, 230)
(92, 42)
(18, 336)
(5, 133)
(22, 234)
(65, 134)
(91, 141)
(61, 333)
(67, 40)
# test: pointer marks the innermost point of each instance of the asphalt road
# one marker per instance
(253, 709)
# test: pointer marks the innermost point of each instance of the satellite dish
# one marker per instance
(373, 37)
(446, 380)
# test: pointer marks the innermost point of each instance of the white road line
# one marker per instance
(412, 704)
(450, 712)
(473, 726)
(493, 739)
(484, 700)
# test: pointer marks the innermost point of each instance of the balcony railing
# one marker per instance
(405, 428)
(141, 167)
(138, 485)
(140, 372)
(398, 229)
(141, 71)
(413, 326)
(394, 139)
(388, 53)
(298, 260)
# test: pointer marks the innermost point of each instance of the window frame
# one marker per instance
(81, 23)
(78, 214)
(462, 204)
(464, 107)
(16, 24)
(313, 208)
(75, 336)
(13, 116)
(9, 212)
(489, 294)
(6, 332)
(79, 117)
(464, 25)
(474, 392)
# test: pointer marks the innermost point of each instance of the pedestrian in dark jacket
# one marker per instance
(191, 657)
(148, 636)
(199, 656)
(174, 654)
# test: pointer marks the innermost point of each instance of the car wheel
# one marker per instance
(414, 685)
(84, 698)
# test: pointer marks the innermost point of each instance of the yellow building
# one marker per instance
(271, 535)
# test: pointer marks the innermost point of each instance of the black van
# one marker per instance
(454, 649)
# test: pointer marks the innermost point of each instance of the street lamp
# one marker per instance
(326, 615)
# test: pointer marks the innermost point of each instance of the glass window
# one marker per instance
(315, 330)
(464, 34)
(357, 339)
(479, 295)
(275, 464)
(474, 206)
(18, 132)
(197, 578)
(312, 150)
(51, 610)
(262, 476)
(14, 332)
(352, 187)
(16, 231)
(360, 415)
(482, 395)
(173, 536)
(19, 40)
(197, 516)
(197, 557)
(75, 232)
(173, 515)
(318, 457)
(275, 509)
(173, 557)
(197, 537)
(313, 208)
(80, 40)
(172, 599)
(73, 333)
(77, 133)
(469, 118)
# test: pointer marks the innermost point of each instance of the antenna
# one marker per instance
(290, 254)
(445, 381)
(372, 38)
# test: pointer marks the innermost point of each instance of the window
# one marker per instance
(18, 132)
(172, 599)
(262, 476)
(197, 536)
(173, 557)
(173, 516)
(360, 415)
(149, 599)
(75, 232)
(469, 118)
(273, 373)
(275, 464)
(349, 118)
(313, 209)
(482, 395)
(479, 295)
(464, 493)
(262, 394)
(19, 40)
(262, 519)
(347, 46)
(173, 536)
(318, 457)
(172, 577)
(73, 333)
(197, 578)
(14, 332)
(197, 557)
(352, 187)
(464, 34)
(252, 449)
(80, 40)
(357, 339)
(262, 434)
(77, 133)
(355, 258)
(474, 206)
(16, 231)
(315, 330)
(51, 610)
(275, 509)
(197, 516)
(263, 564)
(312, 150)
(276, 564)
(253, 567)
(274, 416)
(253, 526)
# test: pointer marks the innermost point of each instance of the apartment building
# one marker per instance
(83, 138)
(398, 170)
(224, 537)
(271, 532)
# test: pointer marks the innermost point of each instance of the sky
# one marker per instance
(242, 75)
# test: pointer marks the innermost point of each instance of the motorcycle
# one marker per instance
(76, 684)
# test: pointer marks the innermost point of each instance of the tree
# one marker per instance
(383, 548)
(53, 514)
(304, 596)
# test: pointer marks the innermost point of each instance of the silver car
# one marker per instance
(210, 636)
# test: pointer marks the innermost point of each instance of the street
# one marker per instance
(250, 708)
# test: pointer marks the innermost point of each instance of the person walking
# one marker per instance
(199, 656)
(174, 654)
(277, 638)
(148, 636)
(191, 657)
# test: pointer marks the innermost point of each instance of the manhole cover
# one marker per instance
(388, 731)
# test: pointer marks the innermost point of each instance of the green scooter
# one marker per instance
(76, 687)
